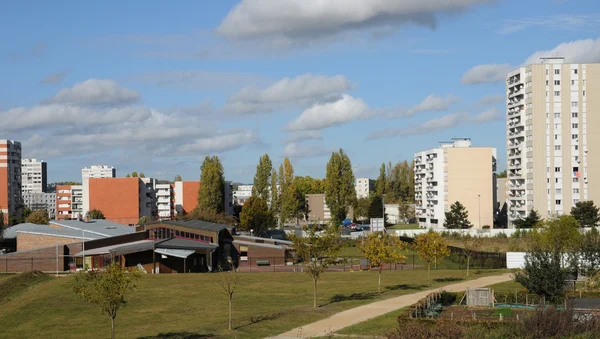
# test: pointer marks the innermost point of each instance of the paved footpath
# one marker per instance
(359, 314)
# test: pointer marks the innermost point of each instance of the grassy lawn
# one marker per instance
(264, 304)
(404, 227)
(494, 245)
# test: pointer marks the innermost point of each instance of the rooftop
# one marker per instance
(198, 224)
(11, 232)
(100, 227)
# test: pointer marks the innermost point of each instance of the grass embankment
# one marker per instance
(265, 304)
(12, 286)
(354, 254)
(495, 244)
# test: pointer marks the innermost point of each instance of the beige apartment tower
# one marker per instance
(553, 137)
(455, 171)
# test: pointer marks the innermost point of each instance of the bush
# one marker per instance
(448, 298)
(424, 329)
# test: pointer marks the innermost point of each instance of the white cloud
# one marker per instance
(432, 103)
(54, 78)
(328, 114)
(491, 114)
(579, 51)
(222, 141)
(96, 92)
(289, 21)
(486, 74)
(568, 22)
(286, 93)
(303, 136)
(298, 150)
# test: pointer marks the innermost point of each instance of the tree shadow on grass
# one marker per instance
(179, 335)
(354, 296)
(260, 318)
(405, 287)
(441, 280)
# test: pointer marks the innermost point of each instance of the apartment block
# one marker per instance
(34, 176)
(364, 186)
(455, 171)
(98, 171)
(242, 193)
(41, 201)
(186, 196)
(69, 202)
(10, 178)
(553, 152)
(123, 200)
(165, 201)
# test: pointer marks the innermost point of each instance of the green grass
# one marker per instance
(404, 227)
(265, 304)
(13, 286)
(506, 312)
(506, 287)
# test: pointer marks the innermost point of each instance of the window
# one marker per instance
(557, 147)
(574, 115)
(574, 104)
(547, 82)
(556, 115)
(555, 136)
(556, 169)
(576, 147)
(576, 190)
(557, 126)
(583, 93)
(557, 71)
(558, 191)
(556, 93)
(546, 72)
(573, 82)
(575, 180)
(558, 202)
(574, 125)
(574, 136)
(575, 71)
(556, 82)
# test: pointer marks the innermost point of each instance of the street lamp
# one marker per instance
(479, 208)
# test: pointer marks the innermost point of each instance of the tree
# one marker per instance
(274, 194)
(142, 175)
(95, 214)
(501, 174)
(340, 191)
(134, 174)
(317, 252)
(289, 203)
(227, 283)
(376, 207)
(381, 183)
(262, 178)
(530, 221)
(209, 216)
(178, 178)
(24, 213)
(586, 213)
(458, 217)
(586, 257)
(406, 211)
(308, 185)
(108, 289)
(128, 175)
(361, 210)
(432, 248)
(470, 245)
(543, 274)
(381, 249)
(558, 235)
(211, 195)
(143, 220)
(39, 217)
(256, 216)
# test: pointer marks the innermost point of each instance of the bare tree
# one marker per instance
(227, 282)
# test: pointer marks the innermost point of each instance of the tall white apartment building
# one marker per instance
(242, 193)
(553, 137)
(94, 171)
(364, 186)
(10, 178)
(455, 171)
(34, 176)
(165, 201)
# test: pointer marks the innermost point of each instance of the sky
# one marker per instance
(155, 86)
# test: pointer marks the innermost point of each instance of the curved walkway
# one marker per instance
(359, 314)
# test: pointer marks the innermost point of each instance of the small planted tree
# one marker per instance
(108, 289)
(381, 249)
(432, 248)
(458, 217)
(227, 284)
(95, 214)
(470, 245)
(543, 274)
(586, 213)
(317, 252)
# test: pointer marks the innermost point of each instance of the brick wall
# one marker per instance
(27, 241)
(117, 198)
(41, 259)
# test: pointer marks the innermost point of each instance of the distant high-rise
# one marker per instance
(553, 137)
(34, 176)
(10, 178)
(364, 186)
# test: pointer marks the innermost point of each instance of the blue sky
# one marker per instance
(154, 87)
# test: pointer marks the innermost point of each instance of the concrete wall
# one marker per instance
(593, 131)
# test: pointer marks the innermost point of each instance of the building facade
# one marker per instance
(41, 201)
(93, 172)
(34, 176)
(553, 157)
(11, 200)
(69, 202)
(165, 201)
(242, 193)
(455, 171)
(364, 186)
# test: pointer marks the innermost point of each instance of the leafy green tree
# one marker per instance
(142, 175)
(143, 220)
(361, 210)
(586, 213)
(406, 211)
(24, 213)
(256, 216)
(432, 248)
(308, 185)
(134, 174)
(108, 289)
(262, 178)
(128, 175)
(211, 195)
(458, 217)
(317, 252)
(530, 221)
(289, 200)
(340, 192)
(382, 249)
(178, 178)
(274, 194)
(95, 214)
(501, 174)
(543, 274)
(39, 217)
(560, 235)
(585, 258)
(209, 216)
(381, 182)
(375, 207)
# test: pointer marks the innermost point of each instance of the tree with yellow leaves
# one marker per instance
(431, 247)
(381, 249)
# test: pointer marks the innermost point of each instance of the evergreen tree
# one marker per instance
(289, 206)
(530, 221)
(340, 192)
(211, 195)
(262, 178)
(458, 217)
(380, 184)
(256, 216)
(586, 213)
(274, 195)
(543, 275)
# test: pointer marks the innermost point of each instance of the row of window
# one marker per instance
(167, 233)
(559, 191)
(557, 71)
